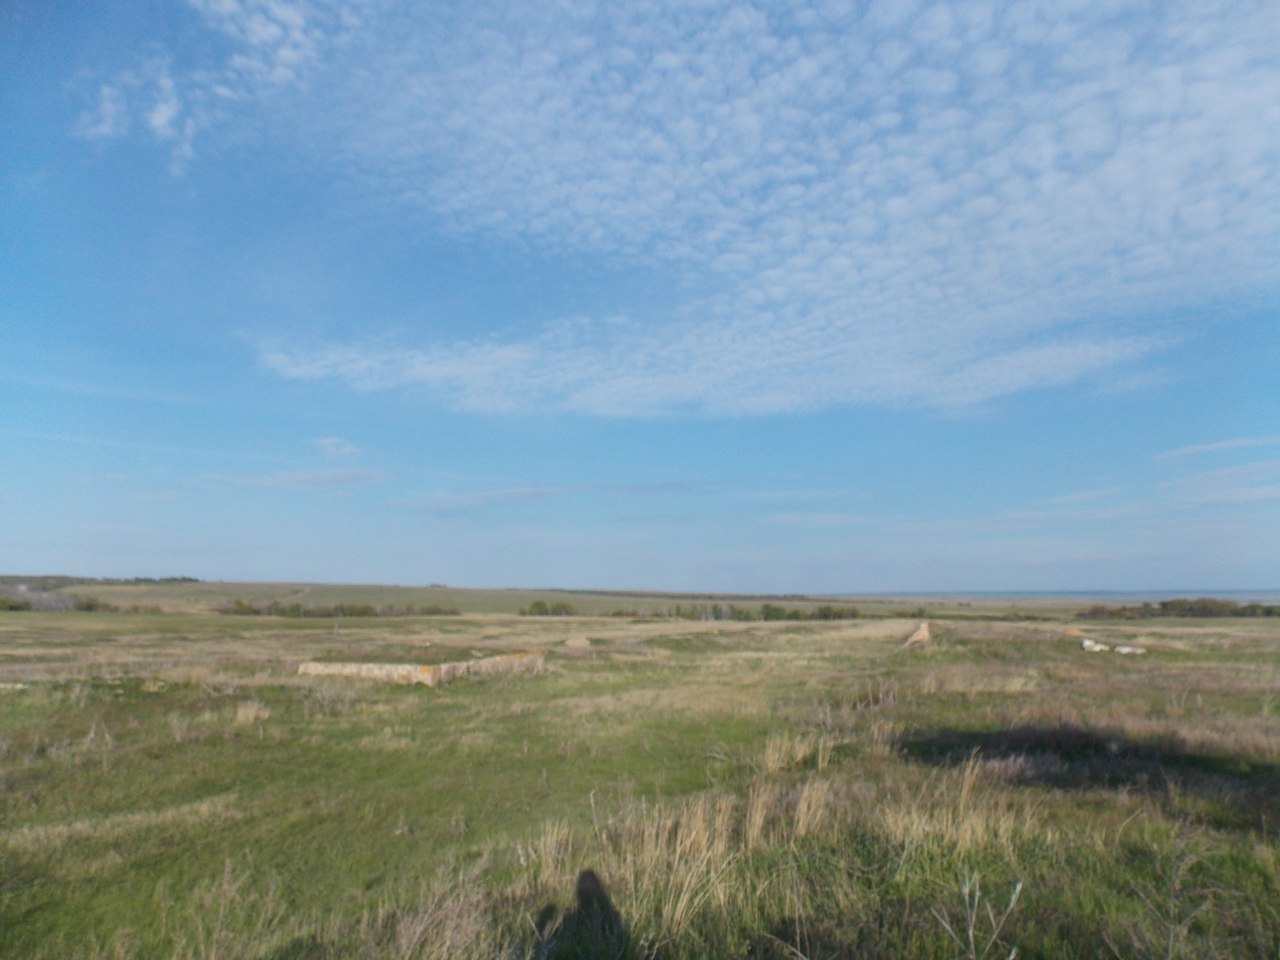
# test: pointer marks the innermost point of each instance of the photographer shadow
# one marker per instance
(590, 930)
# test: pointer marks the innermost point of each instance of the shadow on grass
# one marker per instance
(594, 930)
(591, 930)
(1226, 791)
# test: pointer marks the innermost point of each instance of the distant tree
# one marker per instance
(540, 608)
(827, 612)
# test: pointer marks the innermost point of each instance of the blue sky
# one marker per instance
(844, 297)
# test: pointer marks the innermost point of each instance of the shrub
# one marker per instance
(432, 610)
(770, 611)
(540, 608)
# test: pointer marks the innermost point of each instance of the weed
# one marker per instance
(968, 931)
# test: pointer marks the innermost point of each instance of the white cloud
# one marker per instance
(151, 92)
(335, 448)
(110, 116)
(934, 203)
(714, 370)
(276, 44)
(1240, 443)
(1256, 482)
(277, 41)
(162, 116)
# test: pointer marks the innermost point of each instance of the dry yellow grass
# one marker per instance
(429, 675)
(250, 712)
(961, 809)
(44, 839)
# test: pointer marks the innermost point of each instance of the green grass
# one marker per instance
(170, 787)
(210, 596)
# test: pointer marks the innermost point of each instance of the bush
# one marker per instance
(540, 608)
(433, 610)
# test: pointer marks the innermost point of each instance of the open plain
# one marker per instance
(170, 786)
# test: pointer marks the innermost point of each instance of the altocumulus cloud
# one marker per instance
(897, 203)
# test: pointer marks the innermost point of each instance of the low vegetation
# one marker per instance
(746, 789)
(276, 608)
(735, 612)
(1182, 607)
(540, 608)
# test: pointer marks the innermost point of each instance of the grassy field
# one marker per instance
(172, 788)
(207, 597)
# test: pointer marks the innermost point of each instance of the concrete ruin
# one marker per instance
(1093, 646)
(430, 675)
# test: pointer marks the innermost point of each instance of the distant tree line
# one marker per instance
(766, 611)
(338, 610)
(540, 608)
(771, 611)
(1182, 607)
(40, 600)
(152, 580)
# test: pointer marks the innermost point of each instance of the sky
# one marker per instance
(831, 297)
